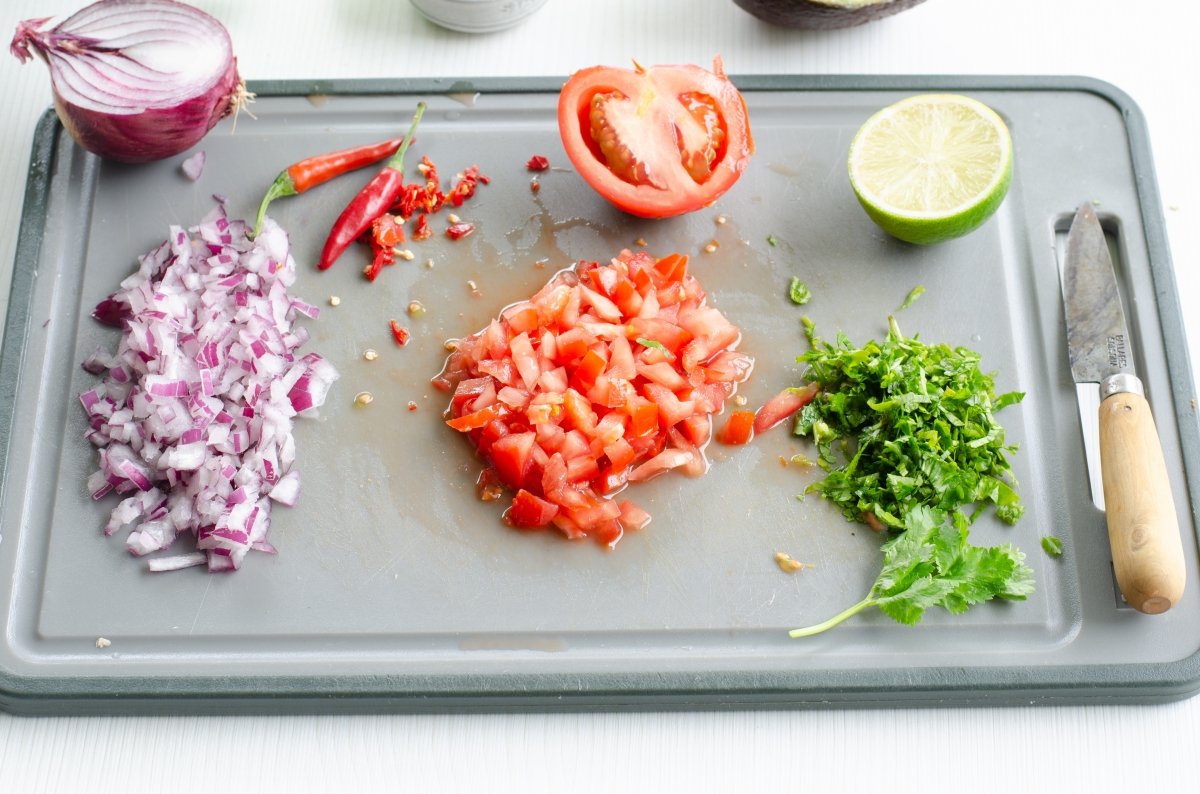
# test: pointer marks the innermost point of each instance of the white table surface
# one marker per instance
(1151, 55)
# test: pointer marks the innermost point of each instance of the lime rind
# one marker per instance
(931, 167)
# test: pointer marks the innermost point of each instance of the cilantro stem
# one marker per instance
(846, 614)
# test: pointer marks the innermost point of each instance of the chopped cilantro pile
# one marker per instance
(906, 434)
(900, 423)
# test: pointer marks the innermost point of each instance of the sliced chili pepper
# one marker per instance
(457, 231)
(376, 198)
(387, 232)
(422, 230)
(399, 333)
(538, 163)
(312, 171)
(382, 257)
(426, 198)
(465, 187)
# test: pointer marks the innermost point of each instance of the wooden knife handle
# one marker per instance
(1143, 529)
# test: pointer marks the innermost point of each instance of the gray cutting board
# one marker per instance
(395, 588)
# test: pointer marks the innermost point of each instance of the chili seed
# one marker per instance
(711, 247)
(406, 255)
(363, 398)
(451, 345)
(370, 355)
(640, 241)
(720, 219)
(739, 399)
(786, 563)
(412, 406)
(334, 300)
(416, 309)
(429, 264)
(452, 218)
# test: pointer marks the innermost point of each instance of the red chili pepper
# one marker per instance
(538, 163)
(399, 333)
(310, 172)
(376, 198)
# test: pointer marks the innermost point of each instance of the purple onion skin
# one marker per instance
(152, 134)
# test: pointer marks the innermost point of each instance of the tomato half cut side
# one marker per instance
(656, 142)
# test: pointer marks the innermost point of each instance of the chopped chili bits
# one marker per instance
(457, 231)
(399, 333)
(417, 201)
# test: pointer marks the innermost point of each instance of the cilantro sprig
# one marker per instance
(932, 564)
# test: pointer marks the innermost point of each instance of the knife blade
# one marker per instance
(1143, 529)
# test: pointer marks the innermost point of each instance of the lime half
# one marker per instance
(931, 167)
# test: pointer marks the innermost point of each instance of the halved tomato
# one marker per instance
(655, 142)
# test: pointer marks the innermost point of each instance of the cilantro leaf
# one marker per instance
(912, 296)
(659, 346)
(1052, 546)
(799, 292)
(933, 564)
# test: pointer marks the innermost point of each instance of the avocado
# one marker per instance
(823, 14)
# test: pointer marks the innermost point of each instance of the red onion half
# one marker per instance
(136, 80)
(193, 415)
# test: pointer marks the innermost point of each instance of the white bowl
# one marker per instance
(477, 16)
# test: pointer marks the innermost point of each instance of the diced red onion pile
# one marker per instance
(193, 417)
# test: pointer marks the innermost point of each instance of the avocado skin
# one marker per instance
(821, 14)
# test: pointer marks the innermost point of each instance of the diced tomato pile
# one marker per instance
(609, 375)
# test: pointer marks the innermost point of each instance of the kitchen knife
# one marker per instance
(1143, 529)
